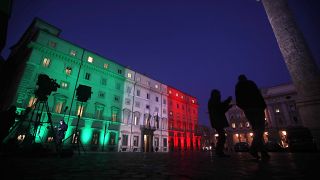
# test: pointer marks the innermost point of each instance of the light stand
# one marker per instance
(76, 133)
(83, 94)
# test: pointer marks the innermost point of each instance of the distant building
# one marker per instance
(281, 113)
(126, 111)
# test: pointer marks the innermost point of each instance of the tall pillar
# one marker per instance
(302, 68)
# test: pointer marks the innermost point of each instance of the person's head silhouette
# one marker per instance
(215, 95)
(242, 77)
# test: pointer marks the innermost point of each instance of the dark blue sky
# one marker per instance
(193, 45)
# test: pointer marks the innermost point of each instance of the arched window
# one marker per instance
(136, 118)
(115, 114)
(126, 116)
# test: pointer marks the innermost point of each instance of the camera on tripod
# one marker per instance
(46, 85)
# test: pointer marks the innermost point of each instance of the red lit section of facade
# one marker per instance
(183, 121)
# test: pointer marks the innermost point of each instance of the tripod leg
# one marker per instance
(51, 126)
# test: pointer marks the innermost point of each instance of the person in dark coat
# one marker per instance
(61, 132)
(250, 100)
(217, 110)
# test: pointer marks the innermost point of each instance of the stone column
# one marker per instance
(302, 68)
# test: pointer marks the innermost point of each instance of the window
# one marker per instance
(87, 76)
(101, 94)
(75, 137)
(164, 123)
(99, 112)
(46, 62)
(164, 111)
(90, 59)
(116, 99)
(114, 114)
(148, 96)
(129, 89)
(105, 66)
(95, 138)
(118, 86)
(104, 81)
(126, 116)
(137, 104)
(52, 44)
(127, 101)
(177, 106)
(156, 119)
(156, 142)
(156, 86)
(68, 70)
(136, 118)
(277, 110)
(135, 140)
(119, 71)
(138, 92)
(80, 110)
(73, 53)
(157, 99)
(233, 125)
(164, 142)
(58, 107)
(59, 102)
(193, 101)
(164, 101)
(138, 79)
(64, 85)
(112, 140)
(129, 75)
(32, 101)
(147, 106)
(124, 139)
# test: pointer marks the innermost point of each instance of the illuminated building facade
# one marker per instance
(281, 113)
(126, 112)
(183, 121)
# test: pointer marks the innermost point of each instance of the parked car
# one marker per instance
(300, 139)
(273, 146)
(241, 147)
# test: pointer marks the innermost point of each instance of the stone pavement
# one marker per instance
(195, 165)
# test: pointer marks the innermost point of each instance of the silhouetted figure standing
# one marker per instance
(217, 110)
(7, 119)
(250, 100)
(61, 132)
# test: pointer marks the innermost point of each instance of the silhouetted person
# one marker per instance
(7, 119)
(217, 110)
(61, 132)
(250, 100)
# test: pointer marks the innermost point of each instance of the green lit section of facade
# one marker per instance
(72, 66)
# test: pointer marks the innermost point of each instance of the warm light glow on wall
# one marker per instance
(284, 133)
(251, 134)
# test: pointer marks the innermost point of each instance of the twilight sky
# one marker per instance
(192, 45)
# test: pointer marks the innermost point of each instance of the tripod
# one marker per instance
(76, 134)
(40, 105)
